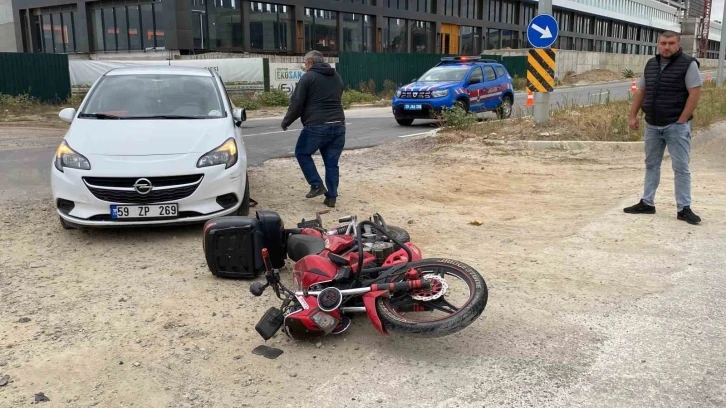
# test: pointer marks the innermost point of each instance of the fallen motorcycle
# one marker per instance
(363, 267)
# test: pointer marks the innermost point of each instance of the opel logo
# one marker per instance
(143, 186)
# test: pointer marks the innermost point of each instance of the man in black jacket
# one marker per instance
(668, 94)
(318, 102)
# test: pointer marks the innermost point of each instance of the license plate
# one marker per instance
(412, 107)
(144, 211)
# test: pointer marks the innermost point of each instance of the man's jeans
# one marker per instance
(330, 140)
(678, 139)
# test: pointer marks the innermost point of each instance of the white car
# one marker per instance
(151, 145)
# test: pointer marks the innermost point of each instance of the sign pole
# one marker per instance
(721, 50)
(542, 99)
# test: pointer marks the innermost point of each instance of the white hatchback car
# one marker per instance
(151, 145)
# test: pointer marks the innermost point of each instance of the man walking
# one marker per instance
(317, 101)
(668, 94)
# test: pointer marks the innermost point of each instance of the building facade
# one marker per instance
(331, 26)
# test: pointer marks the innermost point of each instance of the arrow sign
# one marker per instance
(546, 33)
(542, 31)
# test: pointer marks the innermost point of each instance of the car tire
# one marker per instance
(462, 104)
(244, 208)
(404, 122)
(504, 110)
(65, 225)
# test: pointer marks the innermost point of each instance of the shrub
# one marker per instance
(352, 96)
(19, 101)
(457, 118)
(367, 87)
(628, 73)
(275, 97)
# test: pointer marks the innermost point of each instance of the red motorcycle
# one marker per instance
(366, 268)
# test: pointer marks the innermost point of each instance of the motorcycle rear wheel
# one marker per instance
(393, 321)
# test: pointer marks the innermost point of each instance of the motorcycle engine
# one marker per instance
(381, 250)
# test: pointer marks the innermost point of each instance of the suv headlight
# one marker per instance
(67, 157)
(398, 93)
(224, 154)
(439, 94)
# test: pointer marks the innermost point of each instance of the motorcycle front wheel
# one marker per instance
(457, 298)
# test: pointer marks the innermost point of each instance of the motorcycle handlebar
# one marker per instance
(346, 219)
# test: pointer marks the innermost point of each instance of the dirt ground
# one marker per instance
(587, 306)
(593, 76)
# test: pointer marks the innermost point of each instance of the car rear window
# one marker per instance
(489, 74)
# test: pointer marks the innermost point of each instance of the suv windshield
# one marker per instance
(154, 97)
(444, 73)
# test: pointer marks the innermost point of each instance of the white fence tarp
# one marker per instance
(232, 70)
(285, 76)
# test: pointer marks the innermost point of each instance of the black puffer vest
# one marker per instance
(665, 92)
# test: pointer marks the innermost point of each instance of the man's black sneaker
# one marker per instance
(688, 216)
(330, 202)
(640, 208)
(316, 191)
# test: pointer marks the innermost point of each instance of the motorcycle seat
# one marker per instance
(300, 246)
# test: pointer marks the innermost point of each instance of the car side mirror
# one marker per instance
(239, 115)
(67, 115)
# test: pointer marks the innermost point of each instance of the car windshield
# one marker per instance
(147, 96)
(444, 73)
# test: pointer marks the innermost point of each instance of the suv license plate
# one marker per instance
(412, 107)
(144, 211)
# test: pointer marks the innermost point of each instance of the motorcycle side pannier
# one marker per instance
(233, 247)
(273, 228)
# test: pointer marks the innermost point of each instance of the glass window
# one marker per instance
(58, 40)
(489, 74)
(134, 22)
(357, 33)
(159, 25)
(500, 72)
(270, 27)
(97, 23)
(68, 32)
(122, 29)
(47, 34)
(147, 25)
(150, 96)
(492, 39)
(470, 40)
(110, 29)
(422, 37)
(321, 27)
(394, 35)
(445, 73)
(228, 25)
(425, 6)
(476, 75)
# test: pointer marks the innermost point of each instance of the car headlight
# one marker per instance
(439, 94)
(398, 93)
(67, 157)
(224, 154)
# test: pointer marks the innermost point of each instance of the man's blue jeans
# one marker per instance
(678, 139)
(330, 140)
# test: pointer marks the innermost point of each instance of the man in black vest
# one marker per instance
(668, 94)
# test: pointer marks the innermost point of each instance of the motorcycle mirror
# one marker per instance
(257, 288)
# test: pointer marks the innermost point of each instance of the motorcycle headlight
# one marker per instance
(325, 321)
(398, 93)
(67, 157)
(224, 154)
(439, 94)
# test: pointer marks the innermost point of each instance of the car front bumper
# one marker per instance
(81, 203)
(427, 111)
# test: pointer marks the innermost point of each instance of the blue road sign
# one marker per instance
(542, 31)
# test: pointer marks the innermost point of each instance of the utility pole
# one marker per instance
(721, 50)
(542, 99)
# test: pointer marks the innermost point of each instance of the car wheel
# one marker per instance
(504, 111)
(65, 225)
(404, 122)
(244, 208)
(461, 104)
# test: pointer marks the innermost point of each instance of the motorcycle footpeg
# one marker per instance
(270, 323)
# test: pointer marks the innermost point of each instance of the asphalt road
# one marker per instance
(28, 167)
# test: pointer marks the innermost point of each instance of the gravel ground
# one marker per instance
(588, 306)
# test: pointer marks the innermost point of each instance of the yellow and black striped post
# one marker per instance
(541, 70)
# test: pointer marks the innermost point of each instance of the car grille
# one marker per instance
(419, 95)
(121, 191)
